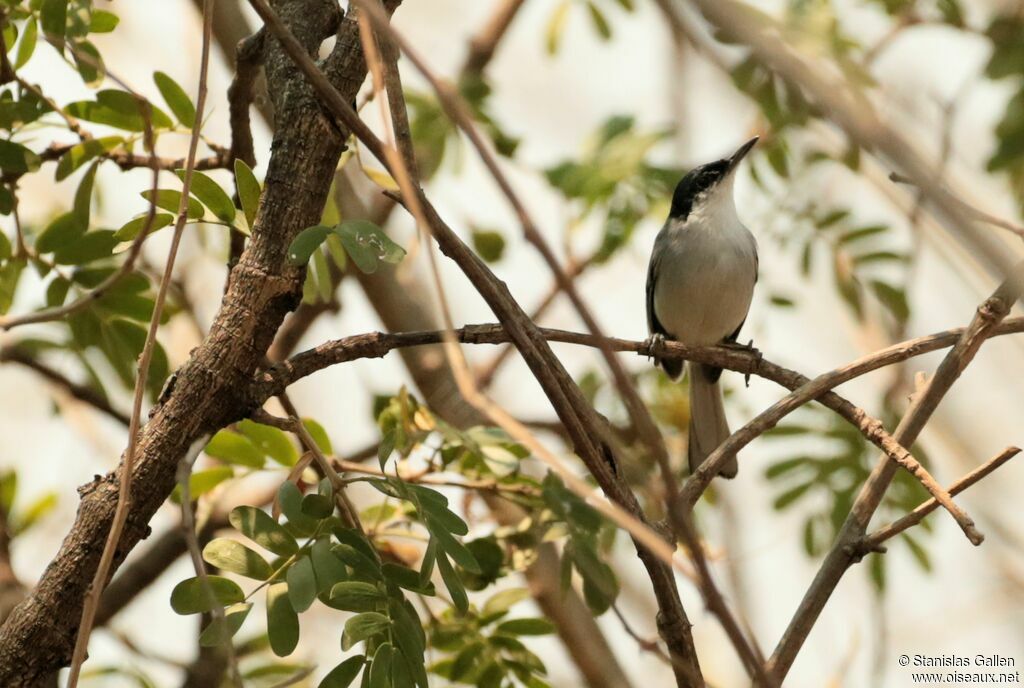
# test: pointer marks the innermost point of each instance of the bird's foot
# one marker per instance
(748, 348)
(655, 346)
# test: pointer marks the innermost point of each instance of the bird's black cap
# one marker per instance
(702, 178)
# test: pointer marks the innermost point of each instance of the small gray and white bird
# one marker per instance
(699, 285)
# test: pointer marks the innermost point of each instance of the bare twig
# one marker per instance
(484, 43)
(191, 538)
(124, 488)
(968, 209)
(746, 646)
(844, 551)
(459, 113)
(873, 541)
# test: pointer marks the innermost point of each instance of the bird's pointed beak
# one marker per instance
(734, 161)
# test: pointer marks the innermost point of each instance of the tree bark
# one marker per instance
(212, 388)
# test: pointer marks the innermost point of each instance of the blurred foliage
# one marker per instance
(596, 10)
(302, 552)
(827, 462)
(614, 183)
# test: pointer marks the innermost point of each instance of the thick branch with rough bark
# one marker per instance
(208, 391)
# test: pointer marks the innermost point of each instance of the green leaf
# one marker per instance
(83, 194)
(301, 584)
(919, 552)
(500, 460)
(89, 63)
(169, 200)
(455, 549)
(879, 256)
(363, 626)
(5, 247)
(131, 229)
(791, 495)
(359, 562)
(28, 43)
(212, 196)
(526, 627)
(290, 499)
(555, 26)
(234, 557)
(201, 482)
(92, 246)
(30, 515)
(380, 667)
(118, 109)
(604, 30)
(176, 99)
(258, 526)
(407, 629)
(248, 190)
(893, 298)
(319, 435)
(328, 568)
(367, 245)
(272, 441)
(54, 17)
(103, 21)
(356, 596)
(489, 244)
(81, 153)
(453, 583)
(16, 159)
(190, 597)
(282, 621)
(63, 231)
(317, 506)
(221, 631)
(862, 233)
(234, 448)
(442, 516)
(466, 660)
(307, 241)
(501, 602)
(407, 578)
(342, 675)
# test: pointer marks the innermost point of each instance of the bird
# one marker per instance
(700, 282)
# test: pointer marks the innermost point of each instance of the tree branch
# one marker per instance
(582, 422)
(873, 542)
(844, 552)
(211, 389)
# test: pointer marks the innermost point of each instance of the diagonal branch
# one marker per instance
(845, 552)
(585, 427)
(873, 542)
(211, 389)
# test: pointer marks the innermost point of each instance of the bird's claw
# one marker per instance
(746, 348)
(655, 345)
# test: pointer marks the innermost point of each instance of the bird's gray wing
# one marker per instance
(653, 326)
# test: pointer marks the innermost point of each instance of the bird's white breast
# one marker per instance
(706, 274)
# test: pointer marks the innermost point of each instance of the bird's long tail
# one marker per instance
(708, 427)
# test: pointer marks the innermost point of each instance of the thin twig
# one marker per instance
(674, 623)
(873, 541)
(971, 210)
(124, 487)
(458, 112)
(191, 538)
(844, 551)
